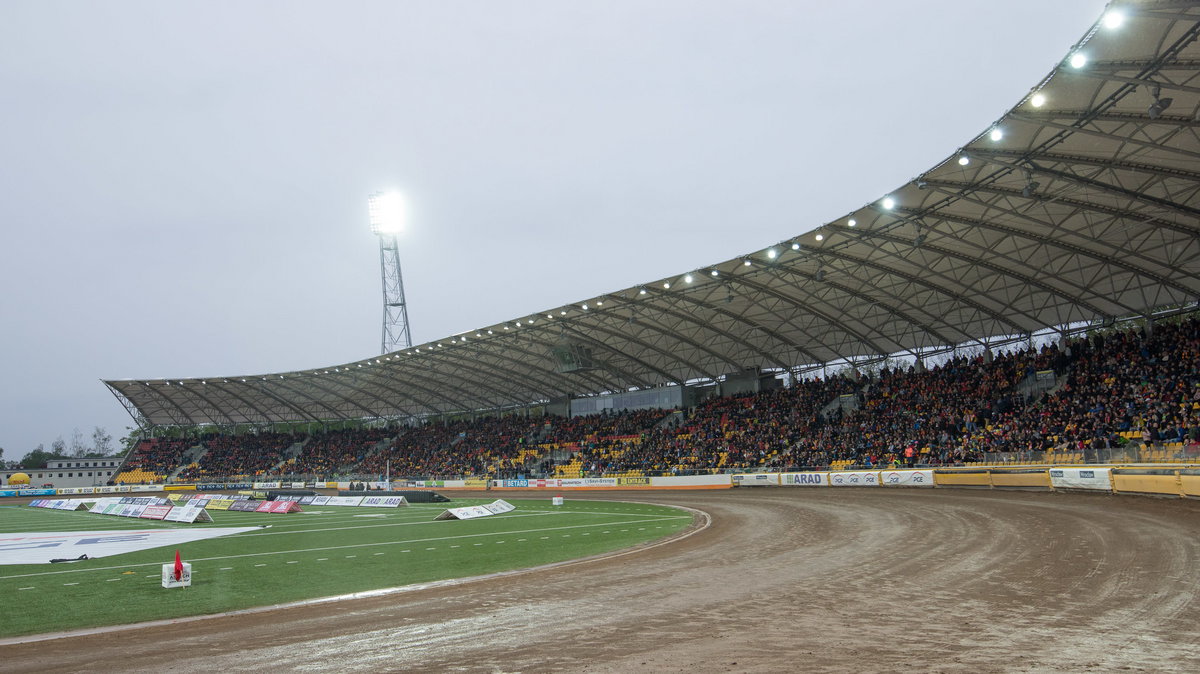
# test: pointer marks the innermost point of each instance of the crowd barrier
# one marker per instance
(1166, 480)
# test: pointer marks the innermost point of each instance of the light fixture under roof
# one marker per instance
(820, 236)
(715, 272)
(1038, 100)
(746, 262)
(795, 245)
(687, 278)
(888, 203)
(852, 222)
(963, 160)
(1113, 19)
(1159, 105)
(996, 134)
(771, 253)
(667, 285)
(1078, 60)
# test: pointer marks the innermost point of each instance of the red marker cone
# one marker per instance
(178, 566)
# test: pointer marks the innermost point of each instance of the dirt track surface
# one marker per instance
(782, 580)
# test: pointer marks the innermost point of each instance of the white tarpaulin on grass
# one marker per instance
(41, 547)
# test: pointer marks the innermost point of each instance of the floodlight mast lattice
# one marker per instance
(386, 210)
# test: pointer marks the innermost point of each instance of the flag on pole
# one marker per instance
(178, 566)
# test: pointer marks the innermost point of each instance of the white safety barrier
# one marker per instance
(855, 478)
(906, 478)
(756, 480)
(1081, 478)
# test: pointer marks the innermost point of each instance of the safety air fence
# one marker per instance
(1161, 480)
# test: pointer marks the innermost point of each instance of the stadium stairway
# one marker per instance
(290, 454)
(191, 456)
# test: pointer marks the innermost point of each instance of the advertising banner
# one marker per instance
(756, 480)
(343, 501)
(813, 479)
(321, 500)
(1081, 478)
(499, 506)
(907, 478)
(155, 512)
(219, 503)
(132, 510)
(243, 505)
(633, 481)
(854, 479)
(188, 514)
(384, 501)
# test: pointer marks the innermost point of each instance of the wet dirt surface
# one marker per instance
(782, 580)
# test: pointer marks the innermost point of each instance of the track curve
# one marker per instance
(783, 579)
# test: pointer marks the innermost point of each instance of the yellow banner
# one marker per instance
(219, 503)
(179, 487)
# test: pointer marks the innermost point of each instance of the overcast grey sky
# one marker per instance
(183, 185)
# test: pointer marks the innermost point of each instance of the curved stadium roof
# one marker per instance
(1084, 207)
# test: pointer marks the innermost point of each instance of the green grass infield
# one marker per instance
(324, 551)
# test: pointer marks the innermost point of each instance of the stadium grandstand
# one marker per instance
(1031, 298)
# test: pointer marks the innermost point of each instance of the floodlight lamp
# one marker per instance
(771, 253)
(996, 134)
(387, 212)
(964, 160)
(820, 237)
(687, 279)
(715, 272)
(888, 203)
(666, 285)
(852, 222)
(1078, 60)
(795, 246)
(1114, 19)
(746, 262)
(1038, 100)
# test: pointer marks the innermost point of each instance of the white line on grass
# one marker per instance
(336, 547)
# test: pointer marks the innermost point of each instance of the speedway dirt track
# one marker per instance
(784, 579)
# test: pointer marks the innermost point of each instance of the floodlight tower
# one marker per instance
(387, 211)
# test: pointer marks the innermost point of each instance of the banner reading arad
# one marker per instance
(813, 479)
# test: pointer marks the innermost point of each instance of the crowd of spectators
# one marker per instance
(157, 456)
(248, 454)
(336, 451)
(1103, 387)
